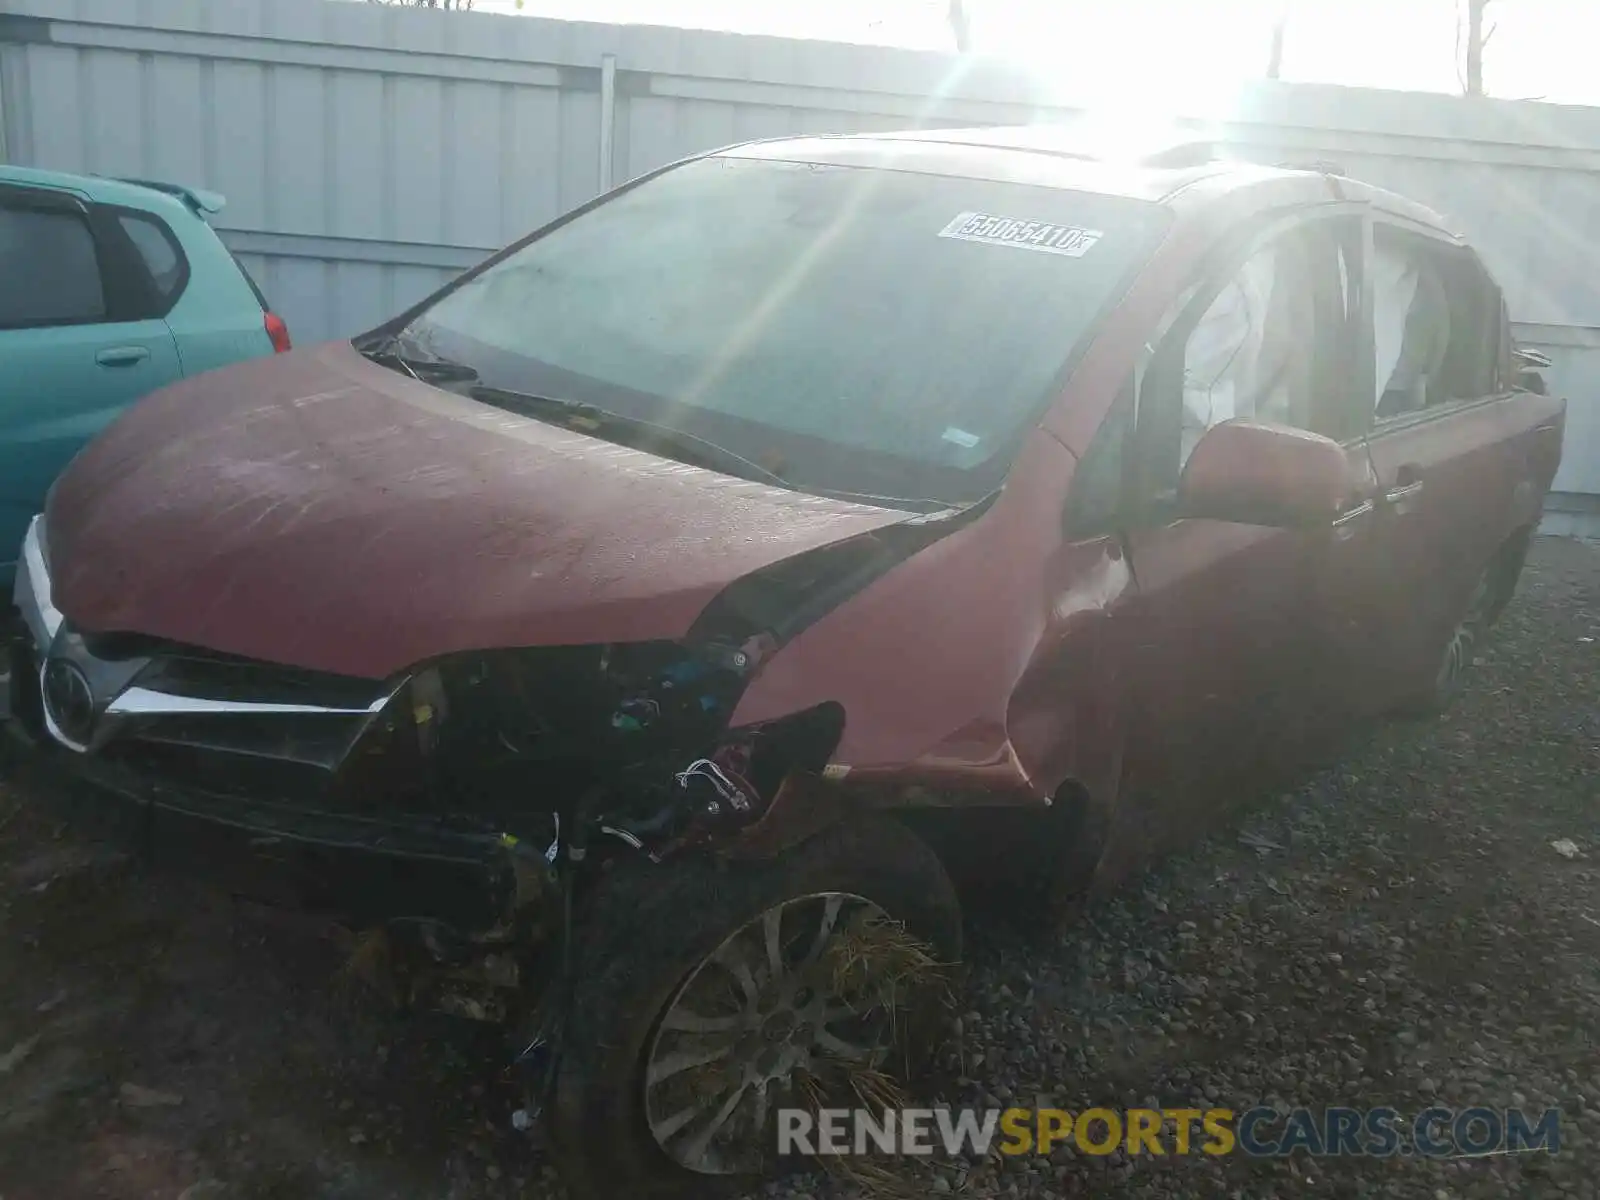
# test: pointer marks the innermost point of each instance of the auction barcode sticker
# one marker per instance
(1070, 240)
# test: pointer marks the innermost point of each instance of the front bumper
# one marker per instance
(153, 744)
(366, 871)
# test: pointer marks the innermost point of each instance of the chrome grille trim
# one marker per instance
(133, 706)
(140, 701)
(32, 590)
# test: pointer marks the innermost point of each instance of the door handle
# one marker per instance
(1353, 514)
(1407, 483)
(1400, 496)
(1344, 524)
(122, 356)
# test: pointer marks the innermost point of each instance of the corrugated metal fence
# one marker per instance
(368, 153)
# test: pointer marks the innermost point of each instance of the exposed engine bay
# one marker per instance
(626, 742)
(556, 744)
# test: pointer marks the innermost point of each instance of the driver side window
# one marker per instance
(1258, 339)
(1250, 353)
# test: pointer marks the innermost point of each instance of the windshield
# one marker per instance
(854, 331)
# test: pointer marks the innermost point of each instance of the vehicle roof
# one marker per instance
(1061, 156)
(99, 189)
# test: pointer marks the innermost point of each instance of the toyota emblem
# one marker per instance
(68, 700)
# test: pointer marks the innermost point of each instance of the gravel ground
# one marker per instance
(1399, 931)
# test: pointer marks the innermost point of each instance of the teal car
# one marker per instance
(108, 289)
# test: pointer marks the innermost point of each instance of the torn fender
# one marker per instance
(970, 671)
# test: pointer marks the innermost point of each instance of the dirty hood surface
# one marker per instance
(320, 511)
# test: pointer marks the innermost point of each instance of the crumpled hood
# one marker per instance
(320, 511)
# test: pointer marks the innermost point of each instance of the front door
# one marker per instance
(1219, 635)
(73, 353)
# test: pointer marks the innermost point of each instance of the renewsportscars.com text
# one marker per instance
(1435, 1132)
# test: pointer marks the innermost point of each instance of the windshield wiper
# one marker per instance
(713, 455)
(424, 368)
(710, 453)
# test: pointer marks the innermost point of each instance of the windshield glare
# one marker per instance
(853, 330)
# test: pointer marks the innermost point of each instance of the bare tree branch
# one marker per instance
(1275, 54)
(1476, 40)
(960, 27)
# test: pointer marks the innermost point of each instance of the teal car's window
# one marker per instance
(54, 252)
(255, 288)
(159, 253)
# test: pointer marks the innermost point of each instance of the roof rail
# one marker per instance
(1183, 154)
(202, 201)
(1321, 166)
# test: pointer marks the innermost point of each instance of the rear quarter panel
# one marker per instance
(218, 320)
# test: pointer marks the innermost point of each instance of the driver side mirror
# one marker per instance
(1260, 474)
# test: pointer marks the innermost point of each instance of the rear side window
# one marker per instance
(54, 252)
(1436, 321)
(158, 251)
(260, 296)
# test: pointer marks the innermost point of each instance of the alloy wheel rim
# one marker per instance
(758, 1015)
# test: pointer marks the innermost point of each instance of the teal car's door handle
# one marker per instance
(122, 356)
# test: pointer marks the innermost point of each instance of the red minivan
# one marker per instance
(640, 631)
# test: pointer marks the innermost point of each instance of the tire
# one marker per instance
(1488, 600)
(646, 935)
(1454, 658)
(1505, 572)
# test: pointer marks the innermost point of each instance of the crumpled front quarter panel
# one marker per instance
(926, 661)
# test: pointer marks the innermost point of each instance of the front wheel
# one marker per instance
(712, 994)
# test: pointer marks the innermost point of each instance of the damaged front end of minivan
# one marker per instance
(456, 814)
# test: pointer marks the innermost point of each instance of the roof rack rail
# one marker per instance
(1183, 154)
(1322, 166)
